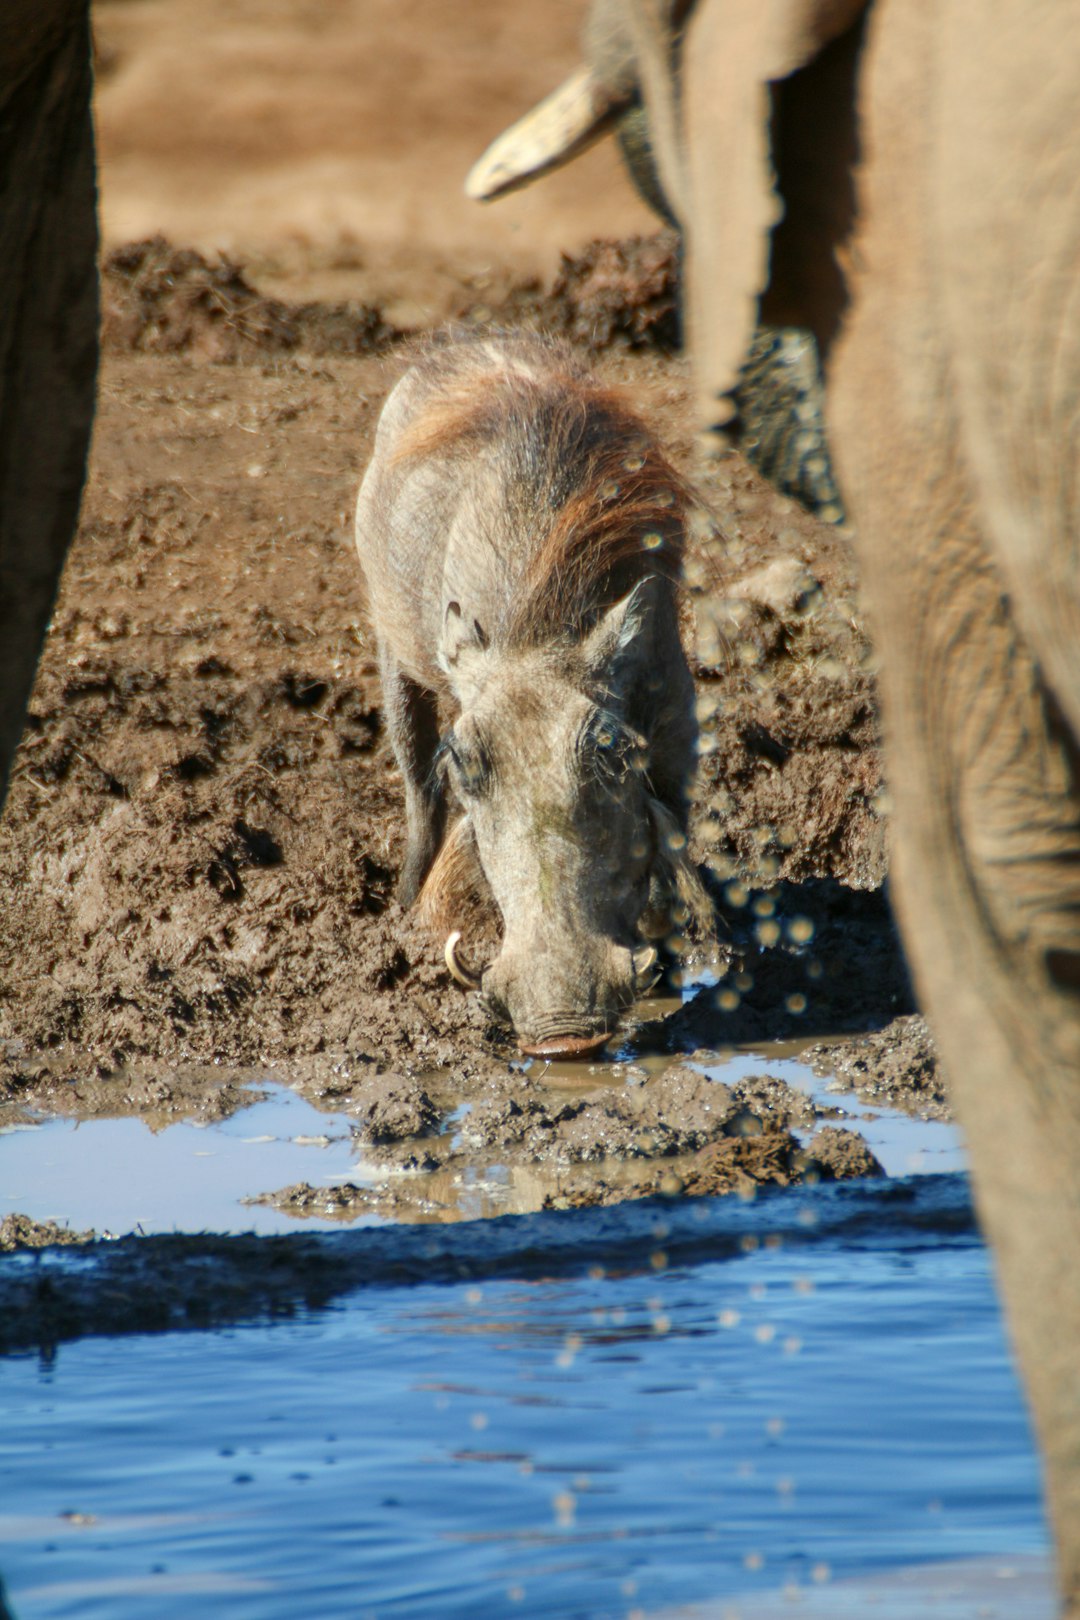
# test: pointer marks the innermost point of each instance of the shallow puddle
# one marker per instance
(119, 1175)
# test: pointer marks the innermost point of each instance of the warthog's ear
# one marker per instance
(463, 640)
(618, 645)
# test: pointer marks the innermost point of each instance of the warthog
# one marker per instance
(521, 534)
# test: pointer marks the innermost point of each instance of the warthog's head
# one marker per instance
(559, 815)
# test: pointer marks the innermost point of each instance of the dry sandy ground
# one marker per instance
(198, 855)
(331, 138)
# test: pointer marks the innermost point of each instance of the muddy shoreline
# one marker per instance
(192, 1283)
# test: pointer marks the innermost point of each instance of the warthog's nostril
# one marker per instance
(565, 1046)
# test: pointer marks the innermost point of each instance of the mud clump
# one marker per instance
(521, 1144)
(341, 1199)
(763, 1097)
(897, 1065)
(778, 1159)
(838, 1154)
(394, 1108)
(614, 295)
(160, 299)
(624, 292)
(675, 1113)
(743, 1164)
(19, 1232)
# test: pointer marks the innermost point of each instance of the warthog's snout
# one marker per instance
(567, 1005)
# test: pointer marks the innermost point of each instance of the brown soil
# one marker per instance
(199, 849)
(333, 141)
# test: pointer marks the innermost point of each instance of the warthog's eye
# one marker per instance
(609, 748)
(468, 764)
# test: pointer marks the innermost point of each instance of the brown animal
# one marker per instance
(48, 324)
(899, 178)
(521, 535)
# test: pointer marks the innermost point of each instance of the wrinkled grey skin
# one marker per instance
(927, 154)
(569, 755)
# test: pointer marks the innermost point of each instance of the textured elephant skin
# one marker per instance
(952, 343)
(899, 178)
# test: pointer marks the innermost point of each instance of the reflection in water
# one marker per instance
(118, 1175)
(615, 1438)
(122, 1175)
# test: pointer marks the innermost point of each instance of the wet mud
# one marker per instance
(198, 857)
(896, 1066)
(524, 1144)
(19, 1233)
(189, 1283)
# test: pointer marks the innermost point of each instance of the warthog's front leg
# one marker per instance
(412, 721)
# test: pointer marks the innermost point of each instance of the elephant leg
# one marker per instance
(412, 721)
(48, 324)
(984, 771)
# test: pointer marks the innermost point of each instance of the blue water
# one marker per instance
(802, 1399)
(120, 1175)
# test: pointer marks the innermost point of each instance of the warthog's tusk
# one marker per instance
(646, 968)
(464, 976)
(564, 123)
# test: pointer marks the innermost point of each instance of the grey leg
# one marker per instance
(412, 721)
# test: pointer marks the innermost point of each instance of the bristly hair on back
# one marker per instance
(580, 462)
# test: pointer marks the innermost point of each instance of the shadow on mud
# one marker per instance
(180, 1283)
(798, 962)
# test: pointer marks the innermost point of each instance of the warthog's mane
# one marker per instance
(583, 476)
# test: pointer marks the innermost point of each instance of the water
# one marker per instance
(621, 1413)
(119, 1175)
(803, 1405)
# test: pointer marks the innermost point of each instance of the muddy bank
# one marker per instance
(19, 1233)
(184, 1284)
(897, 1066)
(160, 299)
(198, 856)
